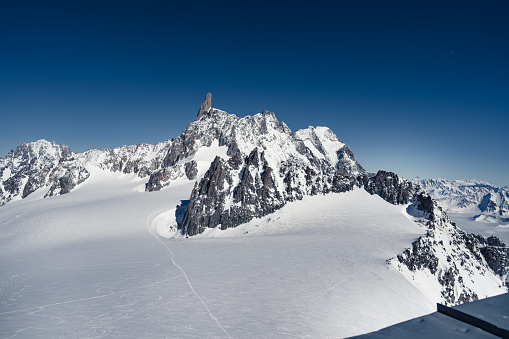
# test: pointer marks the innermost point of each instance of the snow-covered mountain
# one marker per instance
(57, 170)
(489, 203)
(232, 177)
(45, 164)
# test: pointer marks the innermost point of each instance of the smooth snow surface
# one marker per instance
(96, 263)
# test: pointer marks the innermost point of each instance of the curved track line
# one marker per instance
(187, 279)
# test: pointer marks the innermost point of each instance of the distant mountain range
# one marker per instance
(489, 203)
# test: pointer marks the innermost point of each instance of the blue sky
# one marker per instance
(416, 87)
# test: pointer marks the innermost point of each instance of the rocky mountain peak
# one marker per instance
(205, 106)
(40, 149)
(246, 168)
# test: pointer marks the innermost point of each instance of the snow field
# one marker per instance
(93, 263)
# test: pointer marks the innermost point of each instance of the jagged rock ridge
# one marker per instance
(249, 167)
(44, 164)
(446, 258)
(56, 169)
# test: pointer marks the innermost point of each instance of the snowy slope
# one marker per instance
(92, 264)
(102, 271)
(58, 170)
(237, 228)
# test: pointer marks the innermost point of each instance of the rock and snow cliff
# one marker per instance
(246, 168)
(447, 263)
(57, 170)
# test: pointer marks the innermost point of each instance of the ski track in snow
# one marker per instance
(172, 257)
(40, 308)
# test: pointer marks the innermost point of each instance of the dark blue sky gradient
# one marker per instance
(416, 87)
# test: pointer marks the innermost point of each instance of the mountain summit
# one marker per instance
(205, 106)
(247, 168)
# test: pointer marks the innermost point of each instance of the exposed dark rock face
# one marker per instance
(420, 256)
(164, 177)
(390, 187)
(487, 204)
(424, 203)
(208, 197)
(346, 162)
(494, 241)
(256, 194)
(182, 147)
(205, 106)
(497, 259)
(191, 170)
(216, 200)
(66, 183)
(62, 184)
(257, 191)
(12, 185)
(494, 252)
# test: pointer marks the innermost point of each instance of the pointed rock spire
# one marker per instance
(205, 106)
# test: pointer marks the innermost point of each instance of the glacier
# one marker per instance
(107, 243)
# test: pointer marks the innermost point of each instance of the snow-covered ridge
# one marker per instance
(250, 167)
(487, 202)
(448, 264)
(56, 169)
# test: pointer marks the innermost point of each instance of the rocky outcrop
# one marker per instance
(447, 255)
(205, 106)
(495, 253)
(420, 256)
(234, 191)
(497, 259)
(347, 164)
(208, 198)
(390, 187)
(228, 196)
(191, 170)
(163, 177)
